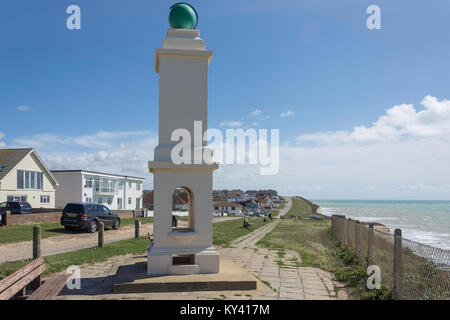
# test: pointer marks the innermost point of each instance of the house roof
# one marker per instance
(226, 204)
(10, 158)
(147, 197)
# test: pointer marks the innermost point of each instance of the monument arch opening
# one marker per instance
(182, 202)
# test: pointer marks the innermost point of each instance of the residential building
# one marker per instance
(25, 177)
(117, 192)
(147, 199)
(252, 193)
(265, 203)
(253, 208)
(270, 192)
(219, 208)
(180, 200)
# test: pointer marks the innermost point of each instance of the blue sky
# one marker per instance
(89, 97)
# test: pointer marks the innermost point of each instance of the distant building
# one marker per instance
(180, 200)
(219, 208)
(270, 192)
(147, 199)
(25, 177)
(252, 193)
(117, 192)
(265, 203)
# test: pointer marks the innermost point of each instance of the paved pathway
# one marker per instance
(286, 208)
(280, 269)
(76, 241)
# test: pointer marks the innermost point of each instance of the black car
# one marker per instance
(15, 207)
(78, 215)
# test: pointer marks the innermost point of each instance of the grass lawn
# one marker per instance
(310, 238)
(317, 247)
(25, 232)
(300, 208)
(225, 232)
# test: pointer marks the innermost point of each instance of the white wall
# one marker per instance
(69, 189)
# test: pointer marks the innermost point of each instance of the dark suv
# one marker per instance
(15, 207)
(87, 216)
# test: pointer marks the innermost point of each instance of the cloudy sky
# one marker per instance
(362, 114)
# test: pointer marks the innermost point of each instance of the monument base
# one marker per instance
(133, 278)
(177, 261)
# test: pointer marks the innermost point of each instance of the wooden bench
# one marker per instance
(15, 285)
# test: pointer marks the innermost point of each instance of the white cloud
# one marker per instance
(256, 112)
(101, 139)
(410, 163)
(227, 123)
(23, 108)
(124, 152)
(401, 122)
(287, 114)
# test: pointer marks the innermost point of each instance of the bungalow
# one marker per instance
(243, 198)
(25, 177)
(253, 208)
(270, 192)
(219, 208)
(266, 203)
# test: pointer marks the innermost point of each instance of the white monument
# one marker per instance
(182, 65)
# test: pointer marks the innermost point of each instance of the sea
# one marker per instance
(427, 222)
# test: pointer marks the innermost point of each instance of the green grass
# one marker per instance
(20, 233)
(301, 208)
(59, 262)
(225, 232)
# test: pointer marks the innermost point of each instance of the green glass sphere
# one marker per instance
(183, 16)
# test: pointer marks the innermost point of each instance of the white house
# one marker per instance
(228, 208)
(25, 177)
(117, 192)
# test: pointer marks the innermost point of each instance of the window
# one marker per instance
(45, 199)
(29, 179)
(88, 200)
(129, 200)
(16, 198)
(109, 200)
(89, 183)
(138, 186)
(130, 184)
(100, 200)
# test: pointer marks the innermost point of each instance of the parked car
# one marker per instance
(87, 216)
(15, 207)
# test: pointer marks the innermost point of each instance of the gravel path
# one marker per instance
(76, 241)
